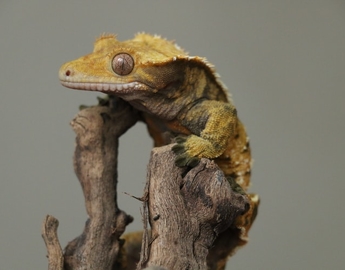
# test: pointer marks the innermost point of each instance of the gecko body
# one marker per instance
(176, 94)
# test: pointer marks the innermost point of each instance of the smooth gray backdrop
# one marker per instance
(284, 63)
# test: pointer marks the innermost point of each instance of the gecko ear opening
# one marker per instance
(122, 64)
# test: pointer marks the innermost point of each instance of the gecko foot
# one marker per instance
(182, 157)
(234, 186)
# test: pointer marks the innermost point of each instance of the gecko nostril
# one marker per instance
(68, 72)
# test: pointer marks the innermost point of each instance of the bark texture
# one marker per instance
(191, 212)
(95, 162)
(49, 234)
(187, 210)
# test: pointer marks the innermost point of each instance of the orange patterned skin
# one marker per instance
(178, 95)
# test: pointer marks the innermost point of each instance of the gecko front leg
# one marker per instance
(212, 124)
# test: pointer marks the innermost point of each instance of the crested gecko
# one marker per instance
(175, 93)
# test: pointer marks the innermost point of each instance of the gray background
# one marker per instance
(284, 63)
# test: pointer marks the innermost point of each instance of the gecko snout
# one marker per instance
(66, 72)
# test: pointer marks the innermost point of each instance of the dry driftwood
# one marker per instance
(95, 162)
(186, 209)
(49, 234)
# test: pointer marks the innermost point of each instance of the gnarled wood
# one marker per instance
(50, 237)
(95, 162)
(187, 210)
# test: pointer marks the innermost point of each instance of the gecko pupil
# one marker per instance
(123, 64)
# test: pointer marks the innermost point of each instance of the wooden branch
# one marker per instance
(95, 162)
(187, 210)
(191, 212)
(49, 234)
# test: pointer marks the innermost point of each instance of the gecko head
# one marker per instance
(130, 69)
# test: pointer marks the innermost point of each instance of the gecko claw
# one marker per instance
(183, 160)
(193, 161)
(178, 149)
(234, 186)
(180, 139)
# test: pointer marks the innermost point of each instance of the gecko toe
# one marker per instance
(183, 160)
(193, 161)
(180, 139)
(179, 149)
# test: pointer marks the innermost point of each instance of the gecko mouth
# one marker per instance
(122, 88)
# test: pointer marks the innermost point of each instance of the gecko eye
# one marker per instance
(122, 64)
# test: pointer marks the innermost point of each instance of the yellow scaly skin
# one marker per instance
(177, 94)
